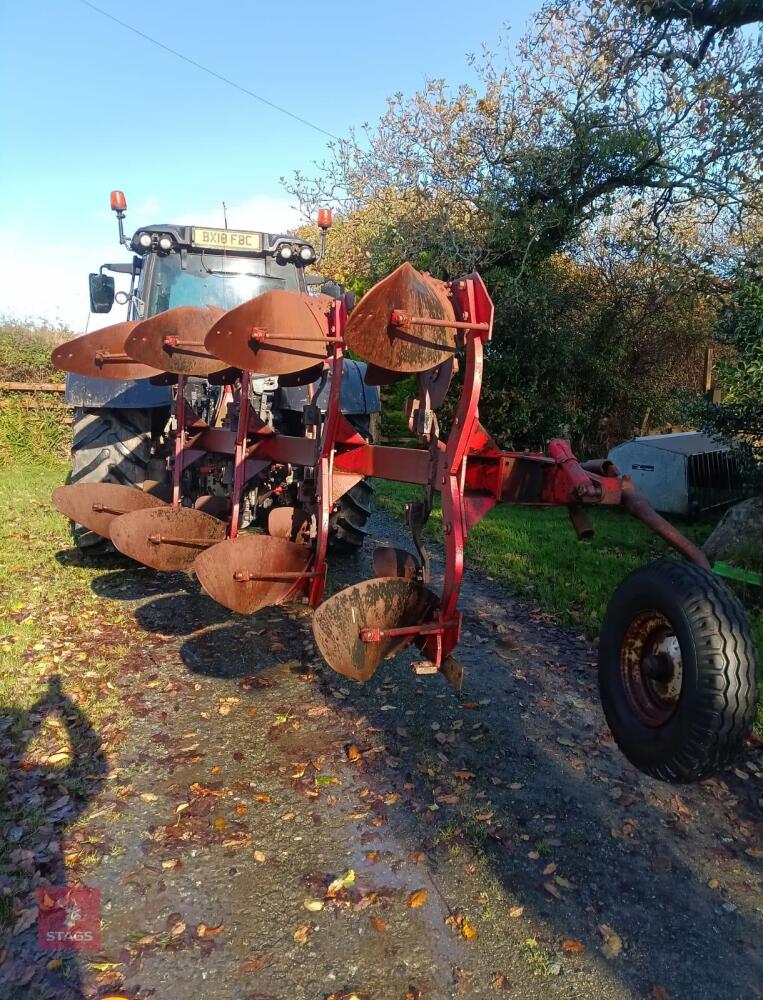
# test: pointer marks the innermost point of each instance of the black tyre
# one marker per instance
(349, 522)
(109, 446)
(677, 671)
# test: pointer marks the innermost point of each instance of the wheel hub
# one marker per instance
(652, 668)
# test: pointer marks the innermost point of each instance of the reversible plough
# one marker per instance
(409, 323)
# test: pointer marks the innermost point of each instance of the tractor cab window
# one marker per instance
(210, 279)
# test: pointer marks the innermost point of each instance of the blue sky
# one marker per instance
(88, 106)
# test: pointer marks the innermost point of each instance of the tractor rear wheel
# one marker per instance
(109, 446)
(677, 671)
(349, 522)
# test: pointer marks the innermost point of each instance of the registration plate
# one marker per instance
(227, 239)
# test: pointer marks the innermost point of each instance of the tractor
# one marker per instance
(122, 427)
(255, 493)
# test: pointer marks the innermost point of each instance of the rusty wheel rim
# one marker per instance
(651, 667)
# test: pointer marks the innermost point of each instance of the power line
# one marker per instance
(210, 72)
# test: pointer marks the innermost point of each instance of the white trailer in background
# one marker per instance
(685, 473)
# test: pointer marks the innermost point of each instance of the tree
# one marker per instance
(513, 168)
(702, 20)
(739, 417)
(584, 139)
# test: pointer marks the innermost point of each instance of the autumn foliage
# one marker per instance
(603, 177)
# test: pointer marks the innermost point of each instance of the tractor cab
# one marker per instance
(176, 265)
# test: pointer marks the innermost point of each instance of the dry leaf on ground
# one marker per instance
(417, 898)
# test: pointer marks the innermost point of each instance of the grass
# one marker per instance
(25, 351)
(33, 426)
(535, 552)
(48, 611)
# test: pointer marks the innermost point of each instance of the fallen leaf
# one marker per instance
(613, 943)
(552, 890)
(516, 911)
(464, 775)
(417, 898)
(313, 905)
(468, 930)
(754, 852)
(149, 797)
(340, 883)
(178, 929)
(572, 946)
(500, 982)
(378, 925)
(198, 789)
(203, 931)
(255, 964)
(301, 934)
(353, 753)
(260, 856)
(549, 869)
(263, 797)
(25, 919)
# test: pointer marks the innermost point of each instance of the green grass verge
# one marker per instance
(535, 552)
(49, 614)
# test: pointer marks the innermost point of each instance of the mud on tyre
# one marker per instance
(677, 671)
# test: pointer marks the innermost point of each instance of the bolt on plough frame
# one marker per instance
(676, 658)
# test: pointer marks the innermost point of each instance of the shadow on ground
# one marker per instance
(40, 800)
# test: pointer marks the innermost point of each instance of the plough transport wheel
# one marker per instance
(384, 603)
(96, 505)
(252, 572)
(166, 538)
(677, 671)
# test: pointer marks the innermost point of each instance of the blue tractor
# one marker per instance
(122, 428)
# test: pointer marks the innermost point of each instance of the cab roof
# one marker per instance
(191, 238)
